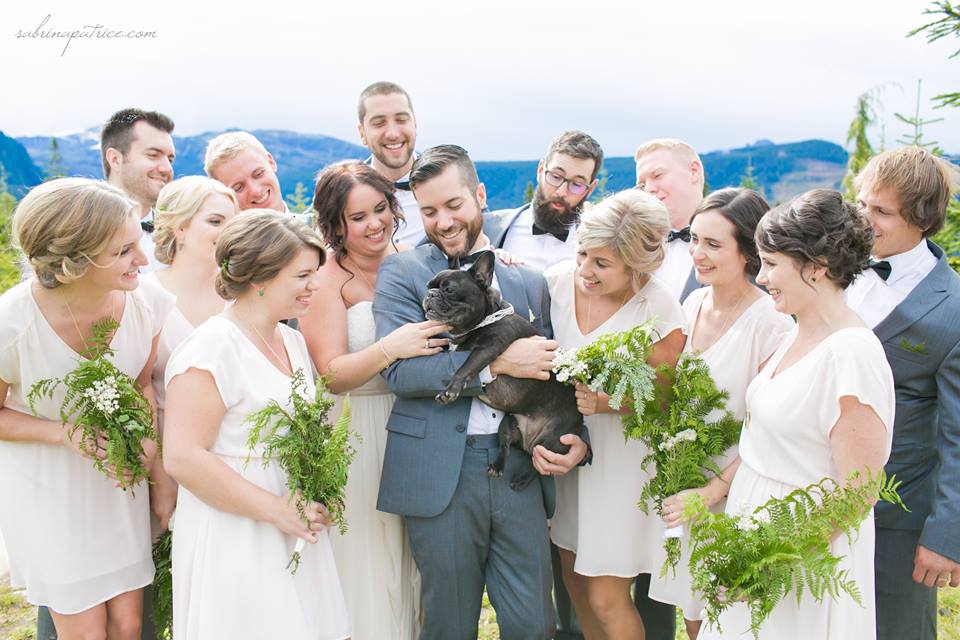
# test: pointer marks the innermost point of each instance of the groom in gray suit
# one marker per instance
(466, 530)
(911, 299)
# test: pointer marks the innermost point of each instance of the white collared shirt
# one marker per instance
(873, 299)
(483, 418)
(538, 251)
(676, 267)
(411, 229)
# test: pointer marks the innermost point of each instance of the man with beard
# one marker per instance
(543, 232)
(388, 128)
(466, 529)
(671, 170)
(137, 153)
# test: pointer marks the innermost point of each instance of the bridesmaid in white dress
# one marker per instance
(822, 406)
(77, 543)
(357, 213)
(236, 523)
(604, 539)
(733, 326)
(190, 214)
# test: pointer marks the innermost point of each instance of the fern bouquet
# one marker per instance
(615, 363)
(105, 403)
(684, 437)
(162, 604)
(315, 454)
(759, 556)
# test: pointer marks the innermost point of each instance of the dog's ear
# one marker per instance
(453, 262)
(482, 269)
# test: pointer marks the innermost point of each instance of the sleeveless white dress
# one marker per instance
(75, 540)
(380, 580)
(229, 571)
(597, 515)
(785, 445)
(734, 360)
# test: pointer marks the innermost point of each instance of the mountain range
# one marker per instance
(781, 170)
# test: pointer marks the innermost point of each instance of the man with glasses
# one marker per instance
(543, 232)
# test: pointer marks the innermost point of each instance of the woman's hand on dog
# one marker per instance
(416, 339)
(551, 463)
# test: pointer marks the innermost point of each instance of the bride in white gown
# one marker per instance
(357, 214)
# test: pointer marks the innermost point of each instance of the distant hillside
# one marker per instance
(783, 170)
(19, 171)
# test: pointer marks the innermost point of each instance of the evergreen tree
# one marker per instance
(916, 137)
(748, 180)
(862, 149)
(55, 163)
(298, 201)
(601, 191)
(947, 24)
(528, 193)
(9, 270)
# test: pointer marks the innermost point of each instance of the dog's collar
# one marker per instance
(499, 314)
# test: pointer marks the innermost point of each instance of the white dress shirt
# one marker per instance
(484, 419)
(873, 299)
(676, 267)
(411, 229)
(150, 248)
(538, 251)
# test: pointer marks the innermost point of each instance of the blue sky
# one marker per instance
(498, 77)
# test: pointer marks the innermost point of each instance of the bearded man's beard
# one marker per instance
(548, 218)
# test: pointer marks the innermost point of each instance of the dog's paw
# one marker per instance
(493, 471)
(446, 397)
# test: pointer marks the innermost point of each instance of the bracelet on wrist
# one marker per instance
(386, 354)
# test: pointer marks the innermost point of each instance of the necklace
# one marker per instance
(283, 363)
(360, 273)
(623, 301)
(730, 314)
(76, 325)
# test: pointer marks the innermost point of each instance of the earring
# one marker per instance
(811, 277)
(260, 293)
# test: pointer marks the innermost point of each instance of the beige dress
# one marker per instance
(734, 360)
(380, 580)
(597, 515)
(785, 445)
(75, 540)
(229, 571)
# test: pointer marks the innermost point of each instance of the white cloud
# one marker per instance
(500, 78)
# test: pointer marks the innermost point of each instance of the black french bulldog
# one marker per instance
(537, 411)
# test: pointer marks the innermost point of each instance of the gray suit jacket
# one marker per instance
(921, 337)
(497, 223)
(425, 440)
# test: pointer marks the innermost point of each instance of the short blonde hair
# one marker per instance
(61, 225)
(256, 245)
(177, 203)
(923, 183)
(226, 146)
(680, 150)
(634, 225)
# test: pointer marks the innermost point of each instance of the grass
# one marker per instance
(18, 619)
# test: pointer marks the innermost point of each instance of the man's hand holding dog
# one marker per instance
(526, 358)
(550, 463)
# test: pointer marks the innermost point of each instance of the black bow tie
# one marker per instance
(882, 267)
(403, 185)
(559, 235)
(466, 261)
(683, 234)
(147, 225)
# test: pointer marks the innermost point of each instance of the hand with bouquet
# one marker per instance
(315, 454)
(106, 416)
(759, 556)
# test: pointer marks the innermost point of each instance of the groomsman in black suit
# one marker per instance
(911, 298)
(671, 170)
(387, 127)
